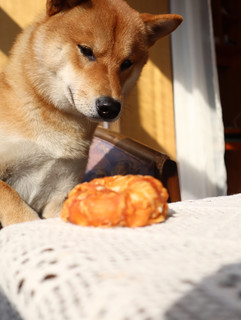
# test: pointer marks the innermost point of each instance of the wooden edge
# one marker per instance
(130, 145)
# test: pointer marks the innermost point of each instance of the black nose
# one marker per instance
(108, 108)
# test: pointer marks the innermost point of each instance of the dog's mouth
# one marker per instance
(105, 108)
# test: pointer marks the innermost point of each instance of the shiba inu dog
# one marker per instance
(67, 72)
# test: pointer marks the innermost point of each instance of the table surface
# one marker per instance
(188, 267)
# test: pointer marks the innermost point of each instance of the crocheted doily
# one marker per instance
(188, 267)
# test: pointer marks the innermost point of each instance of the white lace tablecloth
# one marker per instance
(186, 268)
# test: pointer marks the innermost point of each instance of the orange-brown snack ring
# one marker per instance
(131, 200)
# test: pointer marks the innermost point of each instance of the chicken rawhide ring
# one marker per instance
(131, 201)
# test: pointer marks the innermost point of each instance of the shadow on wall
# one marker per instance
(160, 58)
(217, 297)
(8, 31)
(132, 112)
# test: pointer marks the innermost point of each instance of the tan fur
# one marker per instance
(49, 91)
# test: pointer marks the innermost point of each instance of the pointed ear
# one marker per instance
(158, 26)
(55, 6)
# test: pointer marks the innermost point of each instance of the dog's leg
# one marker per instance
(12, 208)
(54, 207)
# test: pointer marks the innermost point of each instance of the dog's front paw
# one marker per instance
(18, 215)
(12, 207)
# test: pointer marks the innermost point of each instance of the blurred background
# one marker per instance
(186, 103)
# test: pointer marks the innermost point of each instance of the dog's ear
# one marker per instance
(158, 26)
(55, 6)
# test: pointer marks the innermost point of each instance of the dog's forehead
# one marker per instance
(120, 32)
(105, 23)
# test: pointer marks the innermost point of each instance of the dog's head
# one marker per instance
(91, 52)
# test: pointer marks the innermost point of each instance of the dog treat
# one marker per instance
(131, 201)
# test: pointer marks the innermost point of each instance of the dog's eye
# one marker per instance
(87, 52)
(126, 64)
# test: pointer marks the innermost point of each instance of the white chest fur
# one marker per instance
(41, 173)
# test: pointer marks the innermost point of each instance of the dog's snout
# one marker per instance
(108, 108)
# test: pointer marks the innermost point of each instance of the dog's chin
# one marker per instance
(98, 119)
